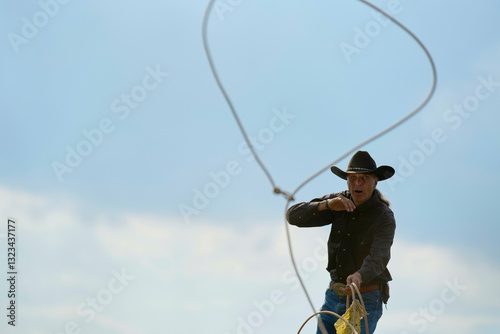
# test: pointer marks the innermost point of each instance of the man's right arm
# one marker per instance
(310, 214)
(319, 211)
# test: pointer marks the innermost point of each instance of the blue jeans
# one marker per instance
(336, 303)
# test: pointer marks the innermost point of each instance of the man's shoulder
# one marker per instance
(382, 210)
(385, 213)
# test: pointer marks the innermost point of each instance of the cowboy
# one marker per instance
(362, 232)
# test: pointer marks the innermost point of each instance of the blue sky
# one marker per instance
(140, 209)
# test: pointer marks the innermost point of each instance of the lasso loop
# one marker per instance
(290, 196)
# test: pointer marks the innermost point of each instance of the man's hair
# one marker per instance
(382, 198)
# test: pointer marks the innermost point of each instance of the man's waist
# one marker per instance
(363, 289)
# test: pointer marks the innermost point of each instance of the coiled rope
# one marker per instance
(276, 189)
(353, 325)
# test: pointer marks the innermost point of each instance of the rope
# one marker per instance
(277, 190)
(331, 313)
(352, 326)
(355, 148)
(362, 303)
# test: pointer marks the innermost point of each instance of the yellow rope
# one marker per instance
(344, 325)
(328, 312)
(353, 315)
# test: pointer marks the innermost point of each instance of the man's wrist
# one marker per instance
(326, 203)
(357, 274)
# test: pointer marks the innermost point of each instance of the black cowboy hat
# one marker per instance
(362, 163)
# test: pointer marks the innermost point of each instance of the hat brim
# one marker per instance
(382, 172)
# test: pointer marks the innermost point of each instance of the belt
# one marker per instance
(364, 288)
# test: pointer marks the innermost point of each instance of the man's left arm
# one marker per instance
(376, 261)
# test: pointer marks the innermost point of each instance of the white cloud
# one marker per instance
(427, 266)
(440, 289)
(197, 267)
(31, 209)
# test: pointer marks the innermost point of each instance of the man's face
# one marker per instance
(361, 187)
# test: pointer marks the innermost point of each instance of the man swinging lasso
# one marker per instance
(360, 239)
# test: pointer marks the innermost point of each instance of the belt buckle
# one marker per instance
(337, 288)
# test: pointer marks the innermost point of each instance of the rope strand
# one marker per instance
(369, 140)
(352, 326)
(226, 96)
(290, 196)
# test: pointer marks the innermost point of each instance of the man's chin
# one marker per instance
(359, 198)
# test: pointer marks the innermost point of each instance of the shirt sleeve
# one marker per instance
(380, 252)
(306, 214)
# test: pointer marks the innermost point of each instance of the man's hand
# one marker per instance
(341, 203)
(352, 279)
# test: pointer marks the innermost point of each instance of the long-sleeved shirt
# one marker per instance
(359, 241)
